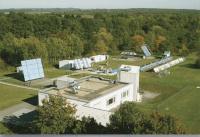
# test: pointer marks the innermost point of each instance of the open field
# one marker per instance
(12, 95)
(16, 78)
(179, 94)
(116, 63)
(54, 72)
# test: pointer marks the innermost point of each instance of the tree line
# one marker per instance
(57, 36)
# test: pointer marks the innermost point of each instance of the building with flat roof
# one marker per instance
(95, 96)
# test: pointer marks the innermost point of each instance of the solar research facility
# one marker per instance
(32, 69)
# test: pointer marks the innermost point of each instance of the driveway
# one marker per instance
(17, 110)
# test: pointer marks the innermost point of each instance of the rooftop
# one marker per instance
(89, 90)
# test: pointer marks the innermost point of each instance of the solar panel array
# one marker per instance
(32, 69)
(146, 51)
(155, 64)
(82, 63)
(168, 65)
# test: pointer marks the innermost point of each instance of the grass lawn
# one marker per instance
(114, 63)
(18, 79)
(4, 130)
(179, 93)
(10, 95)
(54, 72)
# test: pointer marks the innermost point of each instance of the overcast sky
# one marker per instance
(106, 4)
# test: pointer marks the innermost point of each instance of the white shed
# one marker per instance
(99, 58)
(66, 64)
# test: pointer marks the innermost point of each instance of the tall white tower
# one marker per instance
(130, 74)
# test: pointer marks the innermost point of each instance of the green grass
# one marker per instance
(114, 63)
(53, 72)
(10, 95)
(18, 79)
(4, 130)
(77, 76)
(179, 95)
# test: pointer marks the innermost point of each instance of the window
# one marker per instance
(111, 101)
(124, 94)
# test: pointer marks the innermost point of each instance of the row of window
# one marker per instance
(112, 100)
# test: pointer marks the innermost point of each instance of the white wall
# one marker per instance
(100, 116)
(132, 76)
(98, 58)
(101, 102)
(66, 64)
(41, 97)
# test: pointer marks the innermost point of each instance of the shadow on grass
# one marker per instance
(17, 76)
(32, 100)
(56, 66)
(192, 66)
(20, 125)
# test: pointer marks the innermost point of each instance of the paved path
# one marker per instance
(14, 85)
(17, 110)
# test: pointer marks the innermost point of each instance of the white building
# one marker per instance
(81, 63)
(77, 64)
(167, 54)
(130, 74)
(66, 64)
(99, 58)
(98, 97)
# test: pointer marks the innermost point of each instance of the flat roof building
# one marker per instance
(95, 96)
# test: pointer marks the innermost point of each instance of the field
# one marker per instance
(12, 95)
(179, 94)
(115, 63)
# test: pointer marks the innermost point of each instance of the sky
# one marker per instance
(101, 4)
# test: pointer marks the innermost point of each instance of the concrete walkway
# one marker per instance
(17, 110)
(14, 85)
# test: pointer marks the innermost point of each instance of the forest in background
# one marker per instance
(57, 36)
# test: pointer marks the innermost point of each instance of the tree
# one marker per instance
(56, 49)
(32, 47)
(56, 116)
(165, 124)
(102, 40)
(138, 41)
(128, 120)
(73, 45)
(11, 51)
(88, 125)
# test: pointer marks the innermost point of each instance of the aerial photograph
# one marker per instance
(99, 67)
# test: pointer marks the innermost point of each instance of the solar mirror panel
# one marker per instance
(89, 62)
(80, 64)
(76, 64)
(146, 51)
(32, 69)
(84, 63)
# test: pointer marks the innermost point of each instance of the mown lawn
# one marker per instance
(54, 72)
(115, 63)
(10, 95)
(179, 94)
(4, 130)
